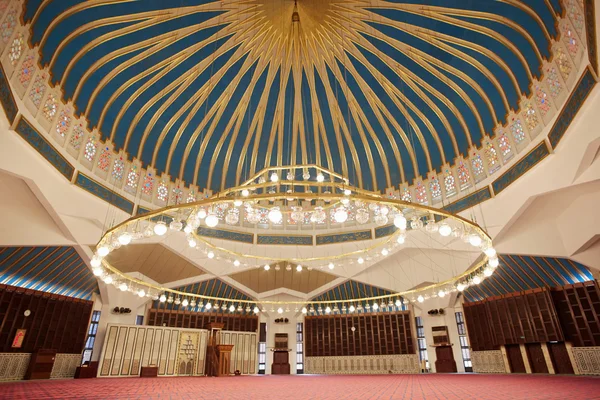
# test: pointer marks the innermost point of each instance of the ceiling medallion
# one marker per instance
(314, 200)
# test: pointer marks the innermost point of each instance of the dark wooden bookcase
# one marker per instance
(373, 334)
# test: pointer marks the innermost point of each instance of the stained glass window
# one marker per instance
(132, 177)
(89, 150)
(504, 145)
(50, 106)
(531, 118)
(516, 128)
(8, 25)
(64, 122)
(435, 188)
(148, 184)
(491, 156)
(476, 164)
(16, 49)
(191, 196)
(406, 196)
(564, 64)
(420, 193)
(449, 182)
(38, 89)
(104, 159)
(3, 6)
(162, 192)
(118, 168)
(570, 41)
(77, 137)
(27, 70)
(553, 81)
(176, 195)
(543, 101)
(464, 177)
(576, 16)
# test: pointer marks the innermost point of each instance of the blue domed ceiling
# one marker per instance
(210, 92)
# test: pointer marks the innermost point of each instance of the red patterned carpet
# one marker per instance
(459, 387)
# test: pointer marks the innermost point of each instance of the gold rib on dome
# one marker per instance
(421, 115)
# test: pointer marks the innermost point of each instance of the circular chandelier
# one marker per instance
(302, 197)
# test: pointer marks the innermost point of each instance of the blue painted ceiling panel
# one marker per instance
(517, 273)
(54, 269)
(408, 79)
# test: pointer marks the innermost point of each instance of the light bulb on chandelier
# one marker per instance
(160, 228)
(211, 220)
(475, 240)
(125, 238)
(444, 229)
(275, 215)
(103, 251)
(341, 215)
(400, 222)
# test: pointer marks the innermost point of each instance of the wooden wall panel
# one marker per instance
(56, 322)
(523, 317)
(374, 334)
(578, 309)
(199, 320)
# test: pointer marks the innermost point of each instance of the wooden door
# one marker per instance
(515, 359)
(444, 359)
(536, 358)
(560, 358)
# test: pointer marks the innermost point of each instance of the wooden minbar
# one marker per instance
(40, 366)
(218, 356)
(281, 355)
(224, 355)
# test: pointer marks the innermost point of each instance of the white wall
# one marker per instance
(273, 328)
(448, 320)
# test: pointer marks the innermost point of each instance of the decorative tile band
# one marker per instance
(344, 237)
(469, 201)
(382, 364)
(305, 240)
(488, 362)
(226, 235)
(567, 115)
(384, 231)
(65, 366)
(38, 142)
(587, 360)
(13, 366)
(521, 167)
(85, 182)
(7, 99)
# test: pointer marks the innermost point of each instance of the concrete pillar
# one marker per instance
(548, 359)
(525, 358)
(505, 358)
(569, 347)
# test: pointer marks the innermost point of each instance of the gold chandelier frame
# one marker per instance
(330, 193)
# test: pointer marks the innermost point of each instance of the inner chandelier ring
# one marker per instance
(290, 202)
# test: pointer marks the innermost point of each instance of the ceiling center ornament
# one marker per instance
(338, 225)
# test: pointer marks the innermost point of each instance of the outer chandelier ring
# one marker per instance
(265, 190)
